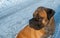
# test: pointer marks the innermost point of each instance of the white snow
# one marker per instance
(15, 14)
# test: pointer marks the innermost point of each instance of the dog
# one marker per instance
(42, 25)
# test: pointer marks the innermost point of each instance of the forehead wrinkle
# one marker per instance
(42, 13)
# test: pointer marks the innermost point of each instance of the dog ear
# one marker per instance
(50, 13)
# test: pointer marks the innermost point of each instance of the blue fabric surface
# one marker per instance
(15, 14)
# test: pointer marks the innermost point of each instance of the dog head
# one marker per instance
(41, 17)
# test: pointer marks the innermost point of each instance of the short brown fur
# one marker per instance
(40, 26)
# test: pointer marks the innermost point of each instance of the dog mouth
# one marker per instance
(35, 24)
(38, 27)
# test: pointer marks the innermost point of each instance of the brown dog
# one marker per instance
(40, 26)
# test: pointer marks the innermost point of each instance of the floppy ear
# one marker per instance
(50, 13)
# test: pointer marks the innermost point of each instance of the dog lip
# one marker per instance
(37, 27)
